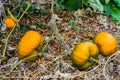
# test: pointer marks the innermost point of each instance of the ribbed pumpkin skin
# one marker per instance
(28, 44)
(106, 43)
(82, 53)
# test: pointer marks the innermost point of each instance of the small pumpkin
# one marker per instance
(30, 44)
(106, 43)
(83, 54)
(9, 22)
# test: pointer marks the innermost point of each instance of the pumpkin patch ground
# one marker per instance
(62, 31)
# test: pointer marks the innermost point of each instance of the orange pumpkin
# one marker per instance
(106, 43)
(9, 22)
(83, 54)
(31, 43)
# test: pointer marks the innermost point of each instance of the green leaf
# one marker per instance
(42, 11)
(117, 2)
(72, 5)
(59, 4)
(1, 34)
(40, 24)
(86, 2)
(113, 11)
(71, 22)
(31, 9)
(96, 5)
(107, 1)
(24, 28)
(25, 5)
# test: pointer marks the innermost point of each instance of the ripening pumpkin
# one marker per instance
(31, 43)
(83, 54)
(9, 22)
(106, 43)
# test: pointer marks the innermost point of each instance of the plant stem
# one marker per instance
(93, 59)
(48, 41)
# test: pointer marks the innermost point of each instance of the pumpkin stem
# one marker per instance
(11, 15)
(93, 59)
